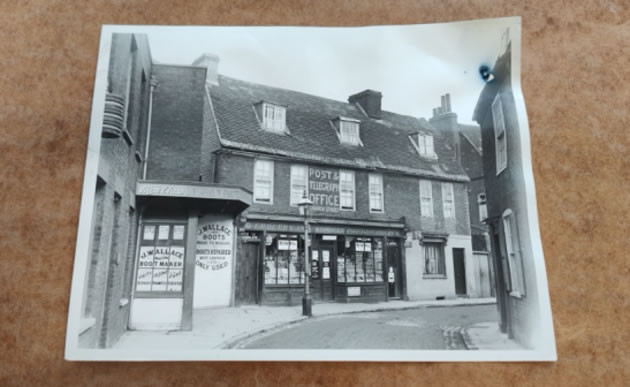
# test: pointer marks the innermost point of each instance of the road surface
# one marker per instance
(423, 328)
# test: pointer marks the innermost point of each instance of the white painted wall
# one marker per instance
(156, 313)
(214, 261)
(420, 288)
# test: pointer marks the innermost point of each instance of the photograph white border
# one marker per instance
(73, 352)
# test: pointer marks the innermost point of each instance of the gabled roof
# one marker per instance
(472, 134)
(309, 119)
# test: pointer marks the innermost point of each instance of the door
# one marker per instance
(246, 286)
(460, 272)
(394, 270)
(321, 273)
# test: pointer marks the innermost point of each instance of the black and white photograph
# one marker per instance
(310, 193)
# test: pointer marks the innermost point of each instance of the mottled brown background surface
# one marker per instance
(576, 74)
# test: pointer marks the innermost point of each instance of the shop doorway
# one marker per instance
(321, 273)
(246, 285)
(394, 271)
(460, 272)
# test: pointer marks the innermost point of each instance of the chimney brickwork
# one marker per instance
(370, 102)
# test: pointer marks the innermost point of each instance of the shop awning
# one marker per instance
(228, 198)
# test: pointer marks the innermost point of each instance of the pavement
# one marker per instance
(488, 336)
(217, 328)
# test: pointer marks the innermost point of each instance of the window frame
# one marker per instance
(343, 123)
(500, 135)
(274, 124)
(513, 254)
(448, 206)
(430, 197)
(155, 243)
(292, 180)
(354, 190)
(382, 193)
(422, 145)
(482, 203)
(271, 181)
(441, 259)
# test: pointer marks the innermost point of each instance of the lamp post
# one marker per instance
(307, 302)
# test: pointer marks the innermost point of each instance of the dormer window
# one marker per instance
(424, 145)
(274, 117)
(348, 131)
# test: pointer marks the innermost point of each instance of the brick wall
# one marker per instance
(112, 250)
(401, 195)
(177, 124)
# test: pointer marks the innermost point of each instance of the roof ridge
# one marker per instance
(419, 119)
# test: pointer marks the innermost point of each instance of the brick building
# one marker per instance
(198, 181)
(517, 290)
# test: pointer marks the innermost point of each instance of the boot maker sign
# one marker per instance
(323, 188)
(214, 261)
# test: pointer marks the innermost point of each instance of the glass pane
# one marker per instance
(149, 233)
(144, 280)
(178, 232)
(270, 270)
(341, 269)
(176, 259)
(175, 280)
(283, 267)
(378, 264)
(159, 279)
(351, 264)
(295, 268)
(163, 232)
(368, 259)
(325, 264)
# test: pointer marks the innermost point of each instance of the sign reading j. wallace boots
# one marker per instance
(213, 261)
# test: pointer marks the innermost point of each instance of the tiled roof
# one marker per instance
(386, 143)
(472, 133)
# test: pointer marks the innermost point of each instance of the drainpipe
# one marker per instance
(154, 84)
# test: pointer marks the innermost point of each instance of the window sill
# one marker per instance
(434, 276)
(516, 294)
(123, 302)
(260, 202)
(86, 323)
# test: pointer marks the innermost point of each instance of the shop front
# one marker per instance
(185, 255)
(360, 262)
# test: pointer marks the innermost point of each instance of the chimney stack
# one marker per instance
(370, 102)
(211, 63)
(445, 106)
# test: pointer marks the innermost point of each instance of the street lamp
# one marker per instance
(307, 303)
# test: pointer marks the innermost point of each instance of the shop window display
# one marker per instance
(284, 260)
(359, 259)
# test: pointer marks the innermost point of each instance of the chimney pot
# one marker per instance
(448, 102)
(211, 63)
(369, 100)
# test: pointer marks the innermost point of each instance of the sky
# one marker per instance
(412, 66)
